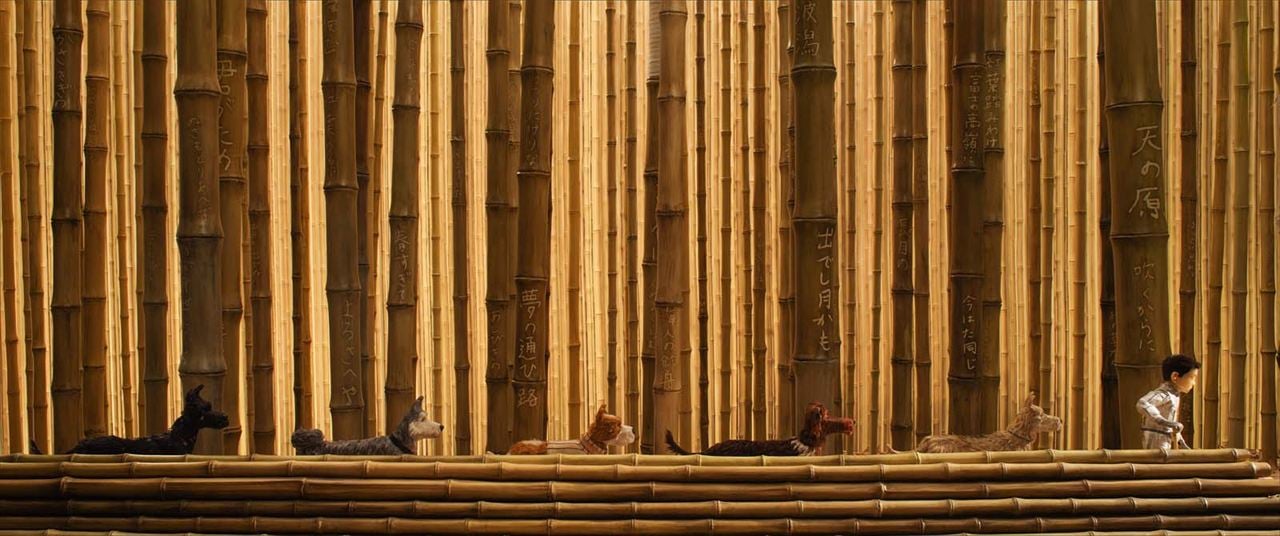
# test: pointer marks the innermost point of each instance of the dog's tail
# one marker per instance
(35, 449)
(307, 440)
(673, 447)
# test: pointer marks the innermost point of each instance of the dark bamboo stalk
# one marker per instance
(21, 14)
(1241, 165)
(126, 178)
(1188, 325)
(1035, 42)
(1107, 305)
(1076, 410)
(33, 274)
(365, 247)
(378, 179)
(298, 233)
(1047, 395)
(630, 215)
(611, 100)
(813, 74)
(13, 380)
(259, 151)
(576, 365)
(760, 261)
(533, 265)
(745, 362)
(1266, 191)
(901, 292)
(94, 272)
(500, 211)
(849, 177)
(197, 93)
(232, 133)
(650, 263)
(991, 338)
(700, 167)
(342, 209)
(1209, 430)
(923, 395)
(153, 255)
(435, 209)
(785, 204)
(1140, 236)
(724, 336)
(877, 427)
(68, 179)
(461, 254)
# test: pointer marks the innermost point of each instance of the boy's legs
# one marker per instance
(1155, 440)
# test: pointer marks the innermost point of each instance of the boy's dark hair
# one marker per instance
(1180, 363)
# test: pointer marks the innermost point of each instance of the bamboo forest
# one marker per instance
(702, 215)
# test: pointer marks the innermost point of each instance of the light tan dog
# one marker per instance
(606, 430)
(1030, 422)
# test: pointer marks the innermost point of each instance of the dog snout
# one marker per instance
(218, 420)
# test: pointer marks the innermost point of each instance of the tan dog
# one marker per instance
(606, 430)
(1030, 422)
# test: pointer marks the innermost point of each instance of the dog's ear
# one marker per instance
(195, 391)
(1031, 400)
(600, 413)
(417, 405)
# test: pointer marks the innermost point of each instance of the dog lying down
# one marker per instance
(605, 431)
(818, 424)
(1030, 422)
(197, 414)
(414, 426)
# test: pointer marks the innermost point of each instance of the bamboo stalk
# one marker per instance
(378, 178)
(923, 394)
(12, 363)
(1076, 409)
(744, 361)
(33, 271)
(1140, 236)
(299, 235)
(786, 201)
(366, 248)
(967, 363)
(1241, 165)
(94, 274)
(630, 215)
(1107, 301)
(817, 353)
(1048, 174)
(611, 119)
(68, 178)
(725, 334)
(920, 509)
(576, 364)
(901, 292)
(1189, 324)
(436, 210)
(154, 138)
(1209, 431)
(990, 338)
(849, 403)
(1266, 191)
(341, 188)
(125, 225)
(700, 167)
(759, 262)
(200, 221)
(232, 133)
(877, 244)
(461, 254)
(1035, 356)
(500, 211)
(707, 526)
(331, 489)
(533, 264)
(263, 385)
(649, 264)
(21, 14)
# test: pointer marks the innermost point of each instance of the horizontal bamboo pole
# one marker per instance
(470, 490)
(506, 471)
(55, 532)
(905, 458)
(923, 509)
(278, 525)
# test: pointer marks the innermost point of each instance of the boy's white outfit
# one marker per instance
(1159, 409)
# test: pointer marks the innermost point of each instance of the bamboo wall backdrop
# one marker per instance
(636, 203)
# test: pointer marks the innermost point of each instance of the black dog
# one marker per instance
(197, 413)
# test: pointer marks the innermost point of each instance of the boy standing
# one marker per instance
(1159, 407)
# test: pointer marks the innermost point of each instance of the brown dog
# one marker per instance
(1030, 422)
(606, 430)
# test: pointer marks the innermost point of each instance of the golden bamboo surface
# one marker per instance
(135, 225)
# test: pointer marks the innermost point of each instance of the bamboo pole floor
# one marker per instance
(1222, 491)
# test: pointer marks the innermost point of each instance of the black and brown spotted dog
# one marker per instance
(197, 413)
(818, 424)
(414, 426)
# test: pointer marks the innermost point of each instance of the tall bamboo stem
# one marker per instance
(12, 363)
(813, 75)
(94, 274)
(232, 132)
(1241, 165)
(1266, 191)
(461, 254)
(611, 120)
(197, 94)
(500, 212)
(1211, 370)
(298, 232)
(849, 177)
(1140, 234)
(126, 178)
(724, 335)
(1189, 324)
(990, 339)
(68, 178)
(21, 14)
(1034, 293)
(342, 209)
(700, 104)
(650, 263)
(785, 203)
(365, 248)
(923, 395)
(155, 214)
(1076, 426)
(877, 210)
(374, 209)
(33, 261)
(436, 211)
(259, 147)
(759, 262)
(630, 215)
(1107, 301)
(1048, 175)
(576, 365)
(533, 264)
(745, 362)
(902, 317)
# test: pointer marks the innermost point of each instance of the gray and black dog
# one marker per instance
(414, 426)
(197, 414)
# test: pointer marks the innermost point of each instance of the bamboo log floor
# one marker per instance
(1221, 492)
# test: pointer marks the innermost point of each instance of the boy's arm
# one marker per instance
(1147, 405)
